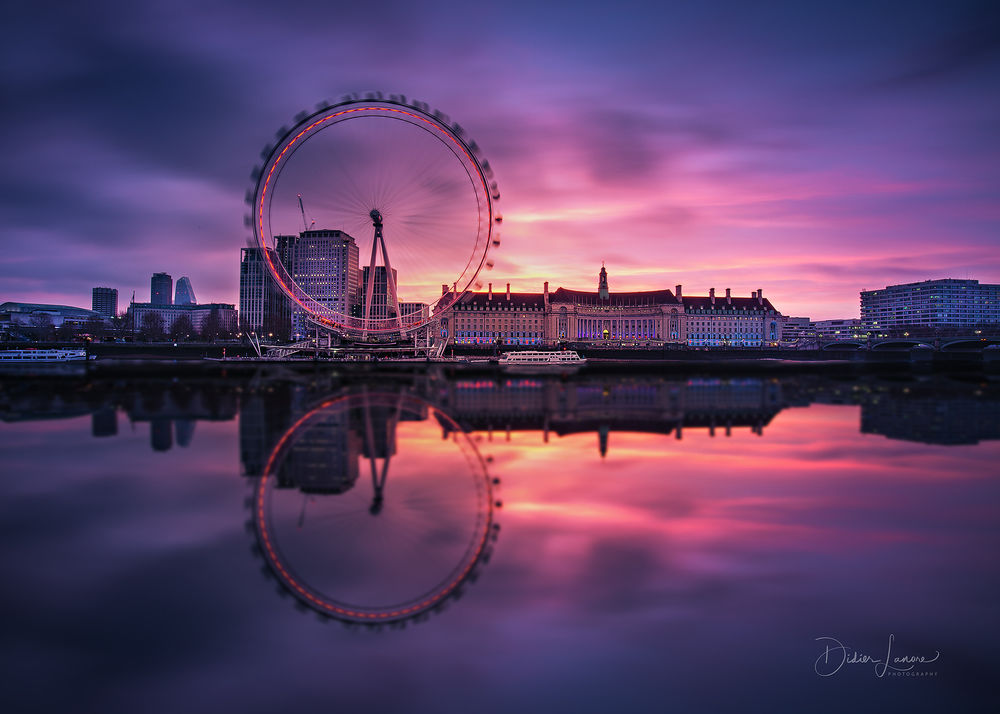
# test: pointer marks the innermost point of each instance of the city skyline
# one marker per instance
(812, 151)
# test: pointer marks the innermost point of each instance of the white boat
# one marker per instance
(30, 356)
(542, 362)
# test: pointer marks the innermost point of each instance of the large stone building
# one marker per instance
(224, 315)
(628, 318)
(484, 318)
(930, 304)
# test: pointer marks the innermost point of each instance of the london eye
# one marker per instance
(401, 187)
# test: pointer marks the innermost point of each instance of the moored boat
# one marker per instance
(42, 356)
(535, 362)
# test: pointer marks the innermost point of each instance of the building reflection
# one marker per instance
(603, 406)
(933, 410)
(357, 552)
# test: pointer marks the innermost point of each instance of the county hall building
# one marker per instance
(645, 317)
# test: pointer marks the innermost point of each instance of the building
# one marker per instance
(224, 315)
(847, 329)
(32, 314)
(380, 309)
(652, 317)
(160, 289)
(483, 318)
(931, 304)
(578, 315)
(185, 293)
(729, 321)
(264, 307)
(797, 328)
(105, 301)
(418, 312)
(324, 264)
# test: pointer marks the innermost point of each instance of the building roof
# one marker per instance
(737, 304)
(518, 301)
(630, 299)
(174, 306)
(64, 310)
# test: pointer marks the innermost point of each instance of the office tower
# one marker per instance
(264, 307)
(160, 287)
(185, 293)
(324, 264)
(380, 309)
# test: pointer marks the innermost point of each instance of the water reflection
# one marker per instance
(932, 410)
(646, 556)
(387, 550)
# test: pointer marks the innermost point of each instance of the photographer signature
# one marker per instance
(836, 654)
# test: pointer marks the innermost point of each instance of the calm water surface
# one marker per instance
(432, 544)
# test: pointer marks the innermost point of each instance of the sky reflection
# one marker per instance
(696, 571)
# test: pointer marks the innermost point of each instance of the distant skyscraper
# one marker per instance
(324, 263)
(264, 308)
(105, 301)
(160, 288)
(185, 293)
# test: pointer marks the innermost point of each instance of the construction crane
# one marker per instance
(306, 225)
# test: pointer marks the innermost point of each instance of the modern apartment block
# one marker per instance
(930, 304)
(105, 301)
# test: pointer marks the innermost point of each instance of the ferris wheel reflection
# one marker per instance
(385, 553)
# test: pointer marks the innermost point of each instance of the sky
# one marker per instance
(810, 150)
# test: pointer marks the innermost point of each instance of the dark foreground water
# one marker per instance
(323, 543)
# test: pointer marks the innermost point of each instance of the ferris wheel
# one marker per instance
(374, 214)
(358, 522)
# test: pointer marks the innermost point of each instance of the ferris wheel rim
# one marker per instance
(475, 552)
(417, 114)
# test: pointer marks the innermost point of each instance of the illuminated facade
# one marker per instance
(324, 263)
(264, 307)
(639, 318)
(646, 316)
(730, 321)
(380, 309)
(930, 304)
(848, 329)
(484, 318)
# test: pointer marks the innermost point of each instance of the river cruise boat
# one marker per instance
(542, 362)
(42, 356)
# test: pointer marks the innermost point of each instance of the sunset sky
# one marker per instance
(809, 149)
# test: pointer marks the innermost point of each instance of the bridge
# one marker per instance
(972, 343)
